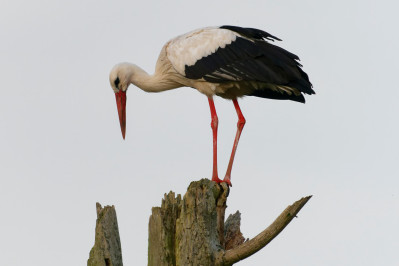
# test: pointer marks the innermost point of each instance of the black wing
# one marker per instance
(252, 58)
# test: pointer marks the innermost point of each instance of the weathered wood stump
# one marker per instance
(185, 232)
(189, 231)
(192, 231)
(107, 246)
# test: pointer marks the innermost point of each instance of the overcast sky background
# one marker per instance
(61, 148)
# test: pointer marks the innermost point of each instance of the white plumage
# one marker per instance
(187, 49)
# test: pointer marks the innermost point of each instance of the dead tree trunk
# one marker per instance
(192, 231)
(107, 246)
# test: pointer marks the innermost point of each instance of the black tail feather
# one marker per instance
(277, 95)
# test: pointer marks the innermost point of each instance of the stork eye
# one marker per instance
(116, 82)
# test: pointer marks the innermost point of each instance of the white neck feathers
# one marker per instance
(149, 83)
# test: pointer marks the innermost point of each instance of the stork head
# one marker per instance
(119, 79)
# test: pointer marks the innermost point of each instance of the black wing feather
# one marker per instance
(251, 33)
(252, 58)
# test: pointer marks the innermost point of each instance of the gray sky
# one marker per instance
(62, 150)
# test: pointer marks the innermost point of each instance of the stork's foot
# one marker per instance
(222, 181)
(227, 180)
(217, 179)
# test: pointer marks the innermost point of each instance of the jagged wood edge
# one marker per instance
(250, 247)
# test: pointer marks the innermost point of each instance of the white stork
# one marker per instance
(227, 61)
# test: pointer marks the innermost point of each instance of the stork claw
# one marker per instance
(217, 179)
(225, 180)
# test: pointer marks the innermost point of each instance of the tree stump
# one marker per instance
(192, 231)
(162, 231)
(107, 246)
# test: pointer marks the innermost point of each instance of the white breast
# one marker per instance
(189, 48)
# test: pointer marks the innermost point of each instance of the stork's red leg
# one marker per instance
(214, 125)
(240, 126)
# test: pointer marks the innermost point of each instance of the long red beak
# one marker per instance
(121, 104)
